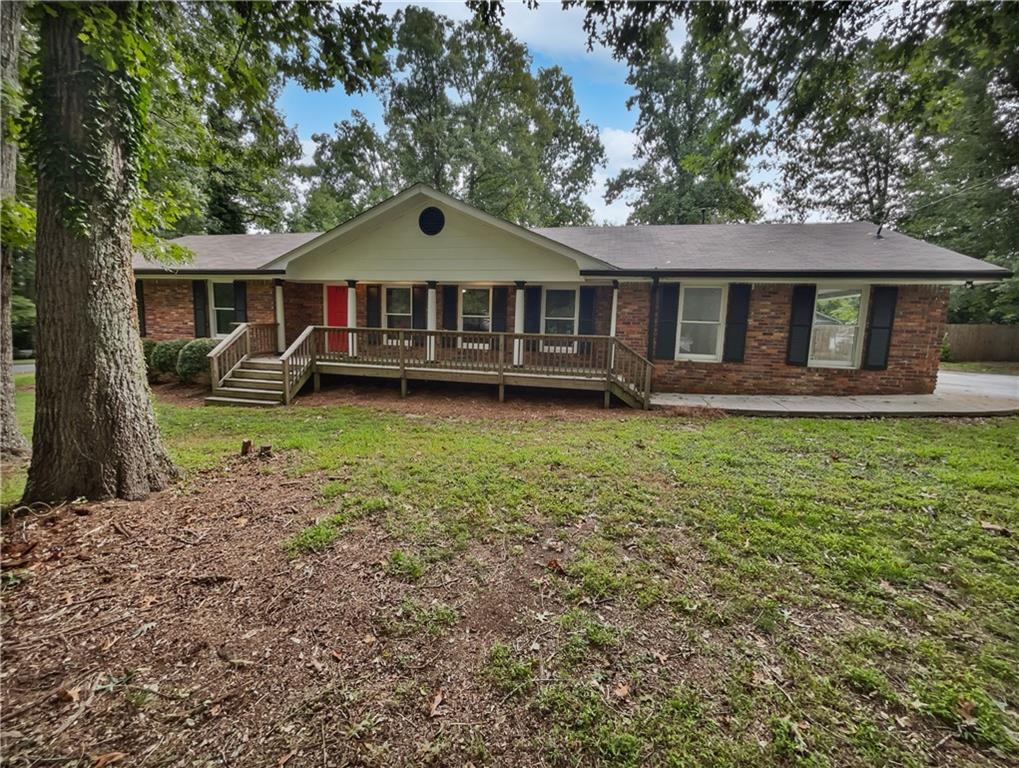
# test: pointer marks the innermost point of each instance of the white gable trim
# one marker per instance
(583, 260)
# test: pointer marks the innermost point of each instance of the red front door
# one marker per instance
(336, 316)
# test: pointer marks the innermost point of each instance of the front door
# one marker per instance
(336, 316)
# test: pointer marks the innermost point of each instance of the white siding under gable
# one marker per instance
(392, 248)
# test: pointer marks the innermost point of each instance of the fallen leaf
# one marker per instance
(621, 689)
(337, 655)
(437, 700)
(1000, 530)
(109, 758)
(555, 566)
(286, 758)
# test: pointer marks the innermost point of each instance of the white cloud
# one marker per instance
(619, 149)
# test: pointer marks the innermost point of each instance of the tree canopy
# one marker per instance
(465, 112)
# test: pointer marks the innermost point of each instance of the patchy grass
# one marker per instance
(627, 590)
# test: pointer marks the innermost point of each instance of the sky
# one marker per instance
(554, 37)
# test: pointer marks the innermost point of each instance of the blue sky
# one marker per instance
(554, 37)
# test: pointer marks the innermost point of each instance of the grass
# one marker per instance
(773, 591)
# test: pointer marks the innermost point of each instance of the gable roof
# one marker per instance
(227, 253)
(769, 249)
(709, 250)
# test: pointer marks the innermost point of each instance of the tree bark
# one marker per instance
(12, 442)
(95, 430)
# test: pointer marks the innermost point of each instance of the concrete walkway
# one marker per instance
(957, 394)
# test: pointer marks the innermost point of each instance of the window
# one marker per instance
(223, 308)
(835, 333)
(560, 311)
(699, 327)
(476, 309)
(397, 307)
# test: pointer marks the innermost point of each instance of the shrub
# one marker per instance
(192, 360)
(946, 350)
(164, 356)
(148, 345)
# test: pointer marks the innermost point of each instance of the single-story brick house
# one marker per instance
(423, 286)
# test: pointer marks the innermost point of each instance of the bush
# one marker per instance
(148, 345)
(946, 350)
(164, 356)
(22, 322)
(192, 360)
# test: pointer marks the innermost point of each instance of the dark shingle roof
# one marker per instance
(711, 249)
(774, 248)
(223, 253)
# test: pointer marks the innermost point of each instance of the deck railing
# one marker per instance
(245, 340)
(602, 358)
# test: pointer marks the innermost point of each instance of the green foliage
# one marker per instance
(464, 113)
(22, 322)
(686, 175)
(164, 356)
(193, 361)
(507, 670)
(405, 566)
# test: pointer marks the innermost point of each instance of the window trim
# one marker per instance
(213, 323)
(461, 289)
(552, 346)
(383, 303)
(723, 306)
(861, 324)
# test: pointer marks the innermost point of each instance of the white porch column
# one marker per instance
(281, 332)
(352, 314)
(612, 321)
(518, 324)
(432, 322)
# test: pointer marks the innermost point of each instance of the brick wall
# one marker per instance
(169, 309)
(912, 359)
(302, 306)
(261, 301)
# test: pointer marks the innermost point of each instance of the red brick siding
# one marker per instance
(261, 301)
(632, 315)
(169, 309)
(912, 360)
(302, 306)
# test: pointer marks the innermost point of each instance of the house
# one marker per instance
(423, 286)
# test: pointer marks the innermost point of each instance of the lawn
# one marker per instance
(619, 589)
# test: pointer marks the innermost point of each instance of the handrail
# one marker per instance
(242, 342)
(588, 357)
(298, 361)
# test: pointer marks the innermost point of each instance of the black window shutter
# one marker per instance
(500, 299)
(240, 301)
(373, 306)
(419, 307)
(200, 292)
(587, 297)
(139, 292)
(668, 315)
(450, 297)
(532, 309)
(879, 334)
(800, 321)
(736, 313)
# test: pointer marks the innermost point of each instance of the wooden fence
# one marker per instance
(983, 342)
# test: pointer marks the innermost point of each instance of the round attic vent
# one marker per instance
(431, 221)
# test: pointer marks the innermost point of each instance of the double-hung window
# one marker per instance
(397, 307)
(559, 317)
(699, 327)
(397, 310)
(476, 309)
(836, 333)
(224, 308)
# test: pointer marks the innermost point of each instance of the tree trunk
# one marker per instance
(12, 442)
(95, 429)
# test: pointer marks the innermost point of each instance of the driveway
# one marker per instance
(957, 394)
(24, 367)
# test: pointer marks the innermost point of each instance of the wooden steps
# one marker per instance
(253, 383)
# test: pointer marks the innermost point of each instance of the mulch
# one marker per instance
(180, 631)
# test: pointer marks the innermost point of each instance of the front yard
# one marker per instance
(573, 588)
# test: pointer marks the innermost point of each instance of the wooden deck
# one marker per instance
(592, 363)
